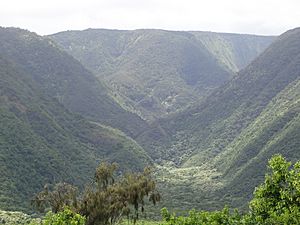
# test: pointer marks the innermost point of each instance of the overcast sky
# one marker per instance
(268, 17)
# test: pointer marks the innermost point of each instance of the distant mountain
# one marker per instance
(41, 141)
(232, 133)
(156, 72)
(236, 51)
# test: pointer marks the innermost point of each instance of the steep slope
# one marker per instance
(214, 123)
(232, 108)
(152, 72)
(276, 130)
(226, 141)
(66, 79)
(236, 51)
(43, 142)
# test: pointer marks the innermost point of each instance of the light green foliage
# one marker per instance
(16, 218)
(65, 217)
(223, 217)
(277, 200)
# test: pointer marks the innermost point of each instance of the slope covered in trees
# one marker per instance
(236, 51)
(40, 140)
(157, 72)
(64, 78)
(233, 107)
(58, 116)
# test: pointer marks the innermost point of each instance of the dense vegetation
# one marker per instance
(210, 146)
(40, 140)
(65, 217)
(157, 72)
(62, 77)
(226, 140)
(235, 51)
(276, 201)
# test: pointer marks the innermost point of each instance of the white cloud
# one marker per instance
(256, 16)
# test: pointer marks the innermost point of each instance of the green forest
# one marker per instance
(149, 126)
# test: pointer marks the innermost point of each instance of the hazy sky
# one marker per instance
(238, 16)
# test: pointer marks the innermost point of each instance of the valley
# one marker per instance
(156, 72)
(205, 110)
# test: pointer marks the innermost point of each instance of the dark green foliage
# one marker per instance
(40, 140)
(62, 77)
(107, 199)
(63, 195)
(111, 198)
(217, 148)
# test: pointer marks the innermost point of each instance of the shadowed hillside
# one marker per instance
(65, 79)
(40, 140)
(236, 51)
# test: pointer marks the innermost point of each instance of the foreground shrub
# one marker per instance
(65, 217)
(277, 200)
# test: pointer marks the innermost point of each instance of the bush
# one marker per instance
(65, 217)
(277, 200)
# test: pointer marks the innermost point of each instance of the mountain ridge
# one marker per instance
(81, 92)
(152, 72)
